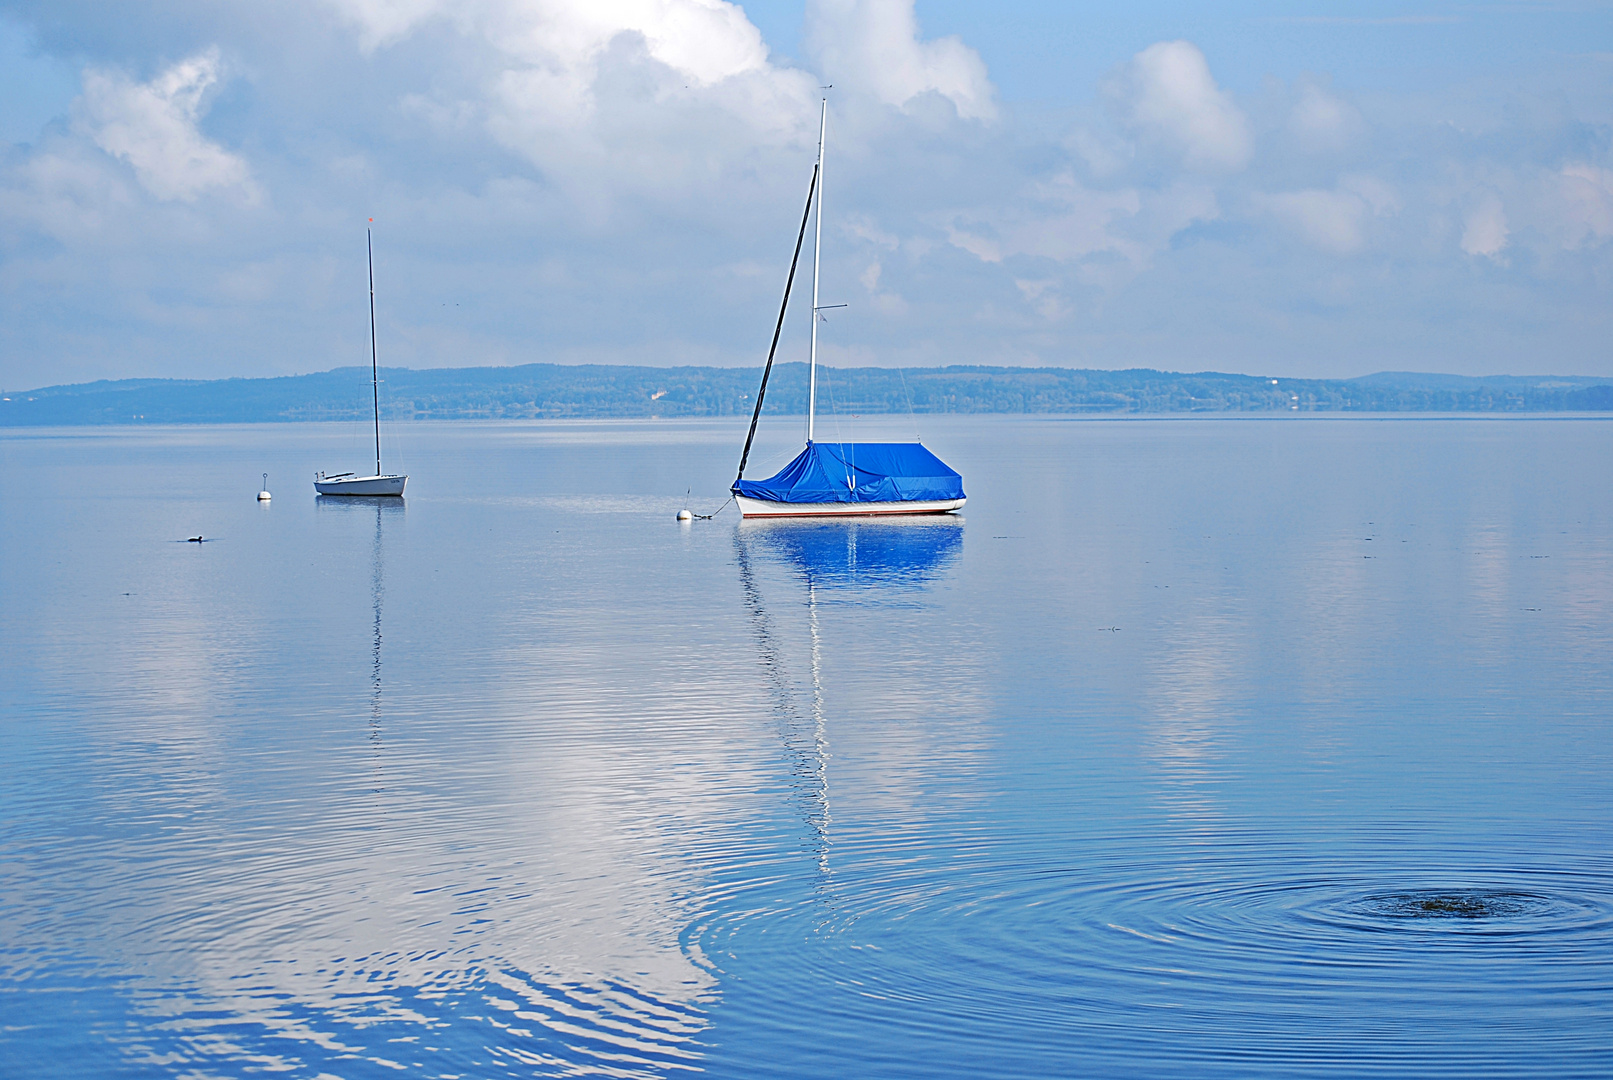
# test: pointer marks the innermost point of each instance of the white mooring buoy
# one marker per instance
(684, 515)
(264, 496)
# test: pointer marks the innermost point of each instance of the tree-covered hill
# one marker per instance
(602, 390)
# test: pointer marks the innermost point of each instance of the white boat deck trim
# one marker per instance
(758, 508)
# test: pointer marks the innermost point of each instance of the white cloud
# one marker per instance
(614, 98)
(1103, 239)
(887, 303)
(1484, 231)
(1064, 220)
(868, 230)
(609, 96)
(704, 40)
(1334, 220)
(569, 154)
(1167, 95)
(1585, 195)
(873, 45)
(1320, 122)
(1330, 220)
(67, 190)
(152, 126)
(383, 22)
(1042, 294)
(1379, 196)
(633, 99)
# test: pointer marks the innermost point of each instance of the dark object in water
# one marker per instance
(1474, 904)
(1469, 906)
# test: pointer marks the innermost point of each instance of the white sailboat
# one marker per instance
(351, 483)
(840, 479)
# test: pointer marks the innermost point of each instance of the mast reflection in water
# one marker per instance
(874, 562)
(383, 508)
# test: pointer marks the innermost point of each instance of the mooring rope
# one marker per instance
(701, 517)
(714, 513)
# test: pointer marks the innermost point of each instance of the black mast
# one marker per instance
(375, 374)
(766, 371)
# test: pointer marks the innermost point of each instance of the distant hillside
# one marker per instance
(601, 390)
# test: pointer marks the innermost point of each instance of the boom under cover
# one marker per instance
(858, 473)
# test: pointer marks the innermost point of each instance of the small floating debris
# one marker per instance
(1452, 905)
(1468, 906)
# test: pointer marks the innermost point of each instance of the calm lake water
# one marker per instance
(1192, 748)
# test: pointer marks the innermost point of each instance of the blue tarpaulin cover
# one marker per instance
(858, 472)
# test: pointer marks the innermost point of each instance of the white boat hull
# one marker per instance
(360, 485)
(762, 508)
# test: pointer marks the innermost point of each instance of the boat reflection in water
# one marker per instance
(383, 507)
(867, 562)
(876, 555)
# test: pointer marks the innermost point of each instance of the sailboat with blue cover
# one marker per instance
(839, 479)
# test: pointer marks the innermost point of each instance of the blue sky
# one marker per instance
(1298, 190)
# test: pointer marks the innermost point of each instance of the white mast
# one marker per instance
(817, 245)
(375, 372)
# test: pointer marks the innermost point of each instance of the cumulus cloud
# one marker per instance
(383, 22)
(619, 180)
(705, 40)
(1330, 220)
(1068, 222)
(624, 98)
(67, 190)
(1168, 97)
(867, 230)
(1334, 220)
(1063, 220)
(1321, 122)
(557, 63)
(883, 301)
(153, 126)
(874, 45)
(608, 97)
(1484, 230)
(1585, 195)
(1043, 296)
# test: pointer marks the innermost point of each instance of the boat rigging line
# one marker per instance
(789, 283)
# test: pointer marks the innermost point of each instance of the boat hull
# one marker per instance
(361, 485)
(764, 508)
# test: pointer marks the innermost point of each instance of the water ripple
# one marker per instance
(1209, 960)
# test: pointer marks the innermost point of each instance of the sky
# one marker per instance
(1301, 190)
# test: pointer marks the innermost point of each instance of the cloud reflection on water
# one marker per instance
(623, 830)
(1197, 676)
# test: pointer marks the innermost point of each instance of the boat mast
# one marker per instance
(375, 373)
(817, 245)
